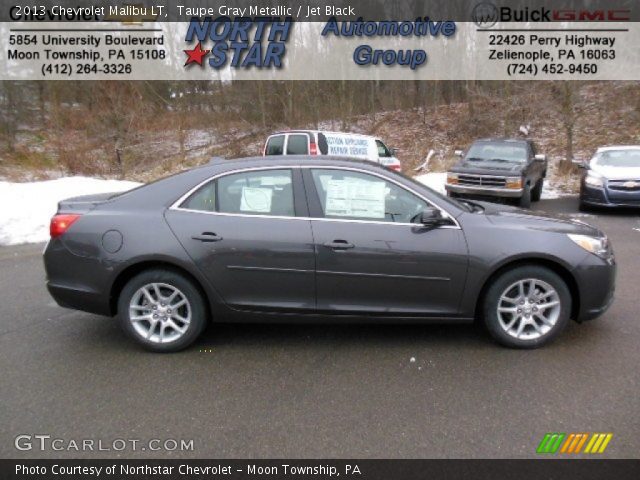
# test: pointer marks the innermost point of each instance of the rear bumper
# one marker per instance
(70, 297)
(484, 191)
(75, 281)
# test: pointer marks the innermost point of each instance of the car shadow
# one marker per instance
(328, 335)
(613, 211)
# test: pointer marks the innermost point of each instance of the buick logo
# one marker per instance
(485, 15)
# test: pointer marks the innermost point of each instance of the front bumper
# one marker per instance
(603, 197)
(596, 281)
(484, 191)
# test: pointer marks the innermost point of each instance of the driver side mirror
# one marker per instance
(431, 217)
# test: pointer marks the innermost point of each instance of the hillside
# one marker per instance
(604, 113)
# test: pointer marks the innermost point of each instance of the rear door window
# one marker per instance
(298, 145)
(275, 145)
(267, 192)
(262, 192)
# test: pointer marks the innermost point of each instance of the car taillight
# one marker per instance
(313, 149)
(396, 167)
(61, 223)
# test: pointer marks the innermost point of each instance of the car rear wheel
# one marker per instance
(162, 310)
(525, 199)
(527, 307)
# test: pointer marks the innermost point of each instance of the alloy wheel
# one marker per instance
(160, 313)
(528, 309)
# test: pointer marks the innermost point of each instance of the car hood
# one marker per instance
(617, 173)
(506, 216)
(487, 167)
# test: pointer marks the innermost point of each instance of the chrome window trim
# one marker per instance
(176, 205)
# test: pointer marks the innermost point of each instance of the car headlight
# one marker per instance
(452, 178)
(597, 245)
(514, 182)
(594, 180)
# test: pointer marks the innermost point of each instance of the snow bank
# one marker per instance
(27, 208)
(436, 181)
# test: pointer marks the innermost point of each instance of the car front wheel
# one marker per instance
(527, 307)
(536, 193)
(162, 310)
(525, 199)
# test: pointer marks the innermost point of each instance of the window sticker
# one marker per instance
(355, 198)
(256, 200)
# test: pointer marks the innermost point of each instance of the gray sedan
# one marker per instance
(302, 239)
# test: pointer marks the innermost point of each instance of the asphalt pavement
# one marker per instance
(282, 391)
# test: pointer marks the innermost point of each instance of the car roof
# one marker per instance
(618, 147)
(503, 140)
(221, 164)
(326, 132)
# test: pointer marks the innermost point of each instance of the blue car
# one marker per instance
(612, 178)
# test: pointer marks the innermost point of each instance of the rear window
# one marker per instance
(298, 145)
(275, 145)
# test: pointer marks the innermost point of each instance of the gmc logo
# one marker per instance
(591, 15)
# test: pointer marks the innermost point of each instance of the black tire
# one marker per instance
(536, 193)
(525, 199)
(583, 207)
(187, 289)
(511, 277)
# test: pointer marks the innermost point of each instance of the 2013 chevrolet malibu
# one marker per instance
(302, 239)
(612, 178)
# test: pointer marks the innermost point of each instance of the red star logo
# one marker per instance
(195, 55)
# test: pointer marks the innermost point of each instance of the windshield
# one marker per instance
(617, 158)
(497, 151)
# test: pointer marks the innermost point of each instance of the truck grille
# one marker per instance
(481, 180)
(625, 185)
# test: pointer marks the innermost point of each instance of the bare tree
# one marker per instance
(565, 95)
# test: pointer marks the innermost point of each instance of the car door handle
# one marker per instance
(207, 237)
(339, 245)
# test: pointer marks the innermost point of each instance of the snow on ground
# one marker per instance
(27, 208)
(437, 180)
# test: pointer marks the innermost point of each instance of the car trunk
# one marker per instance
(84, 203)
